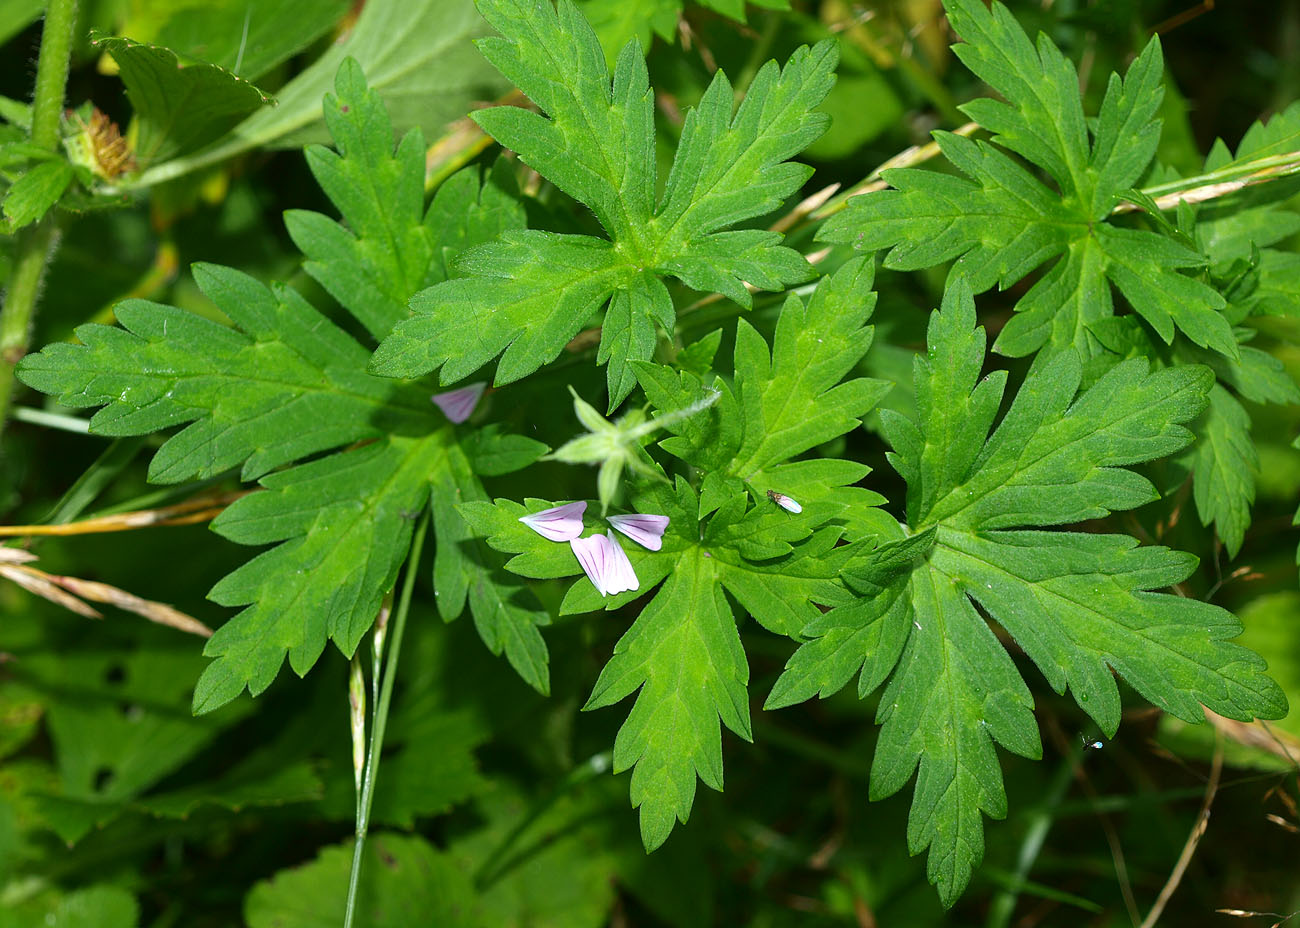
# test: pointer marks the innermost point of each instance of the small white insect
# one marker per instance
(784, 502)
(1092, 745)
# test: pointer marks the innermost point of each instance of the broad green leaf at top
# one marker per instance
(244, 38)
(617, 22)
(1002, 222)
(179, 107)
(1079, 605)
(527, 295)
(414, 54)
(388, 246)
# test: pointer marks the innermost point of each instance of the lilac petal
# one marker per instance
(605, 563)
(645, 530)
(624, 576)
(458, 405)
(559, 523)
(593, 558)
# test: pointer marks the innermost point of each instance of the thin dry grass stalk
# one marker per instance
(200, 509)
(1193, 839)
(64, 591)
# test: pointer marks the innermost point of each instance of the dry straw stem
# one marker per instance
(1217, 184)
(1251, 913)
(1258, 735)
(15, 565)
(908, 157)
(195, 510)
(1193, 839)
(462, 143)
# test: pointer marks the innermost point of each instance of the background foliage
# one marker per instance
(233, 319)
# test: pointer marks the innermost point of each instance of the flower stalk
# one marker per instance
(36, 244)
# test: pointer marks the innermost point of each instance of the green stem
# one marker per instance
(36, 245)
(52, 72)
(52, 420)
(394, 648)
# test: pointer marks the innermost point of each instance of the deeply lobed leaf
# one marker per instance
(284, 384)
(529, 294)
(1003, 223)
(682, 655)
(1079, 605)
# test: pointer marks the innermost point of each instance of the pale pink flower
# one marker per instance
(559, 523)
(645, 530)
(605, 563)
(458, 405)
(784, 502)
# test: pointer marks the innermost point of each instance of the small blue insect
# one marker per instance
(1092, 745)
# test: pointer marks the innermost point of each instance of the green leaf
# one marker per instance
(416, 57)
(116, 719)
(492, 452)
(526, 294)
(794, 400)
(34, 193)
(285, 384)
(955, 692)
(381, 197)
(1223, 461)
(685, 649)
(1078, 605)
(465, 213)
(864, 636)
(179, 107)
(249, 785)
(404, 881)
(382, 251)
(429, 768)
(683, 653)
(1270, 627)
(17, 15)
(1224, 464)
(616, 23)
(102, 905)
(1277, 135)
(787, 400)
(247, 41)
(529, 294)
(1001, 222)
(565, 869)
(506, 613)
(344, 525)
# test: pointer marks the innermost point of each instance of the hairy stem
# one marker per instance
(394, 648)
(36, 244)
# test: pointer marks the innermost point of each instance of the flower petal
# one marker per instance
(458, 405)
(624, 576)
(559, 523)
(645, 530)
(605, 563)
(592, 556)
